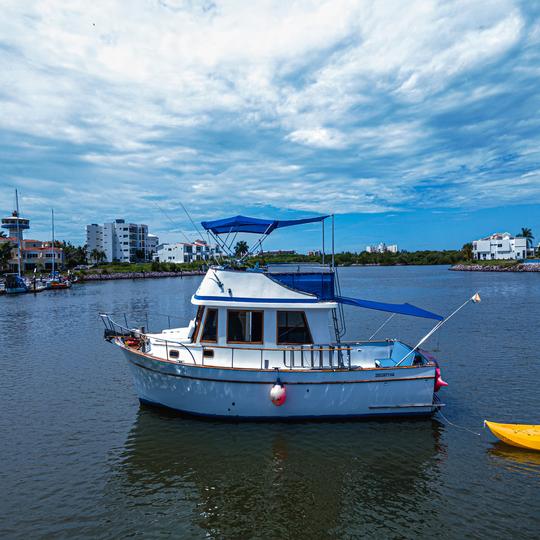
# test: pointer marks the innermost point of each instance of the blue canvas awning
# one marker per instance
(402, 309)
(244, 224)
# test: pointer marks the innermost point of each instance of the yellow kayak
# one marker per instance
(520, 435)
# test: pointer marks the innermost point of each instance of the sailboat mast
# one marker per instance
(52, 247)
(18, 235)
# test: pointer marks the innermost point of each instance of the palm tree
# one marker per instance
(98, 256)
(526, 233)
(241, 248)
(101, 256)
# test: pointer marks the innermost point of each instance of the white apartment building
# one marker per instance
(382, 248)
(182, 252)
(120, 241)
(500, 246)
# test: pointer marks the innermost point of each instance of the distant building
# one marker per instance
(382, 248)
(182, 252)
(120, 241)
(278, 252)
(34, 253)
(152, 243)
(500, 246)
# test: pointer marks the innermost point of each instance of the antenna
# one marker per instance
(18, 234)
(192, 222)
(175, 224)
(52, 246)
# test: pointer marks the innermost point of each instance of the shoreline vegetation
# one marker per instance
(457, 260)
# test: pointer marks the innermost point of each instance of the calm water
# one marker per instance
(80, 457)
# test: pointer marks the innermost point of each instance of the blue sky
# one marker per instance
(416, 123)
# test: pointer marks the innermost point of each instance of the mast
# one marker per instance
(52, 247)
(332, 241)
(18, 235)
(322, 241)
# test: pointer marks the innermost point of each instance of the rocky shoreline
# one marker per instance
(138, 275)
(496, 268)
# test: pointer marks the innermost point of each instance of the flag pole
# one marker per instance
(475, 298)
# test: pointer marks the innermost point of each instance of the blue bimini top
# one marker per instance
(246, 224)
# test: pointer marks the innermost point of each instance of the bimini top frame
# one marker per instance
(264, 227)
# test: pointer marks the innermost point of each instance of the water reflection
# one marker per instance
(516, 459)
(279, 479)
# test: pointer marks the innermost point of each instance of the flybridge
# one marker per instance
(320, 281)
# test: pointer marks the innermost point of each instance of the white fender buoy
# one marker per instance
(278, 394)
(439, 383)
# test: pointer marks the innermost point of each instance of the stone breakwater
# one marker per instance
(482, 268)
(139, 275)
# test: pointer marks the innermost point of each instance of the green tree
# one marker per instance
(97, 256)
(5, 254)
(140, 256)
(467, 251)
(73, 255)
(241, 248)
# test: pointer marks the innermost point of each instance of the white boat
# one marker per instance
(265, 343)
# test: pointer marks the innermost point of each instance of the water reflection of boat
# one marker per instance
(526, 461)
(271, 480)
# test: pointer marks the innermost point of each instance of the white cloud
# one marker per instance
(236, 103)
(318, 137)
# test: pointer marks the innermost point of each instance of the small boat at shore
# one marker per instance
(15, 284)
(520, 435)
(266, 344)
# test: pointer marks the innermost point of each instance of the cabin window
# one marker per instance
(173, 354)
(209, 332)
(198, 320)
(244, 326)
(292, 328)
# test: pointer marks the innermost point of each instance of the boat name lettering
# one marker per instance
(384, 374)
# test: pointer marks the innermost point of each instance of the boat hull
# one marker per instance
(519, 435)
(245, 393)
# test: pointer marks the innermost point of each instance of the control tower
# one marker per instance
(15, 226)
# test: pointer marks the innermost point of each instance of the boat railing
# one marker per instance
(320, 356)
(316, 356)
(115, 330)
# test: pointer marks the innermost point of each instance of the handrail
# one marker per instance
(110, 324)
(113, 324)
(281, 349)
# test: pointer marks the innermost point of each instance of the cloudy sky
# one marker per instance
(415, 122)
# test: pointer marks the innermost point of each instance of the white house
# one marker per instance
(181, 252)
(500, 246)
